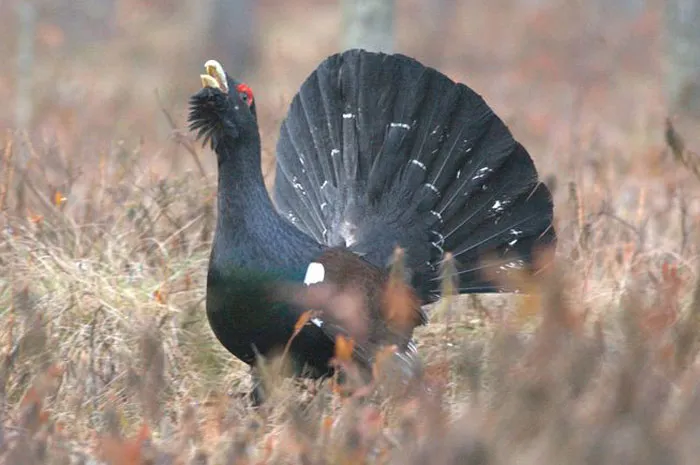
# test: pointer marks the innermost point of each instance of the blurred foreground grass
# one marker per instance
(107, 210)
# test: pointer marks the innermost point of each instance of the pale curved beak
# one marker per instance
(215, 76)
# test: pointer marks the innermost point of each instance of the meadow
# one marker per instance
(107, 208)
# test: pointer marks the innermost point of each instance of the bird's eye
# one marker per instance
(245, 93)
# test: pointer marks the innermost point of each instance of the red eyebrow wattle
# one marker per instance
(248, 91)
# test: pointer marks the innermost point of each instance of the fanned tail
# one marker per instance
(378, 151)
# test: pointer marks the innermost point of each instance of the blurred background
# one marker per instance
(95, 92)
(82, 74)
(107, 203)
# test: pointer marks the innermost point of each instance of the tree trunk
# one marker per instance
(368, 24)
(683, 56)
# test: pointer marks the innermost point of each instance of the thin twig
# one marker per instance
(178, 136)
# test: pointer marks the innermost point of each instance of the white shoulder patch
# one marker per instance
(315, 273)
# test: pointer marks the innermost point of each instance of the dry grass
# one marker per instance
(106, 216)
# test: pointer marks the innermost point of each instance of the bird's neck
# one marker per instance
(243, 200)
(249, 231)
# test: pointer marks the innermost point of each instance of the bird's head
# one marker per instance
(223, 109)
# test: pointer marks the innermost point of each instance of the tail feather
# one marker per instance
(320, 130)
(380, 175)
(434, 120)
(485, 145)
(376, 106)
(378, 151)
(479, 205)
(293, 196)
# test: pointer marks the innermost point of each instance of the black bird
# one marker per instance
(376, 152)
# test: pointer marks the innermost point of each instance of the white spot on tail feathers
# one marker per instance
(459, 173)
(499, 206)
(441, 238)
(400, 125)
(513, 242)
(348, 115)
(315, 273)
(317, 321)
(514, 265)
(481, 173)
(432, 188)
(297, 185)
(418, 163)
(335, 152)
(515, 232)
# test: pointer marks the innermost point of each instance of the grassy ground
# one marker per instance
(107, 209)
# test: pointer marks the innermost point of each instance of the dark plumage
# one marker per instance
(376, 151)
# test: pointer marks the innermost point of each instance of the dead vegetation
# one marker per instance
(106, 216)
